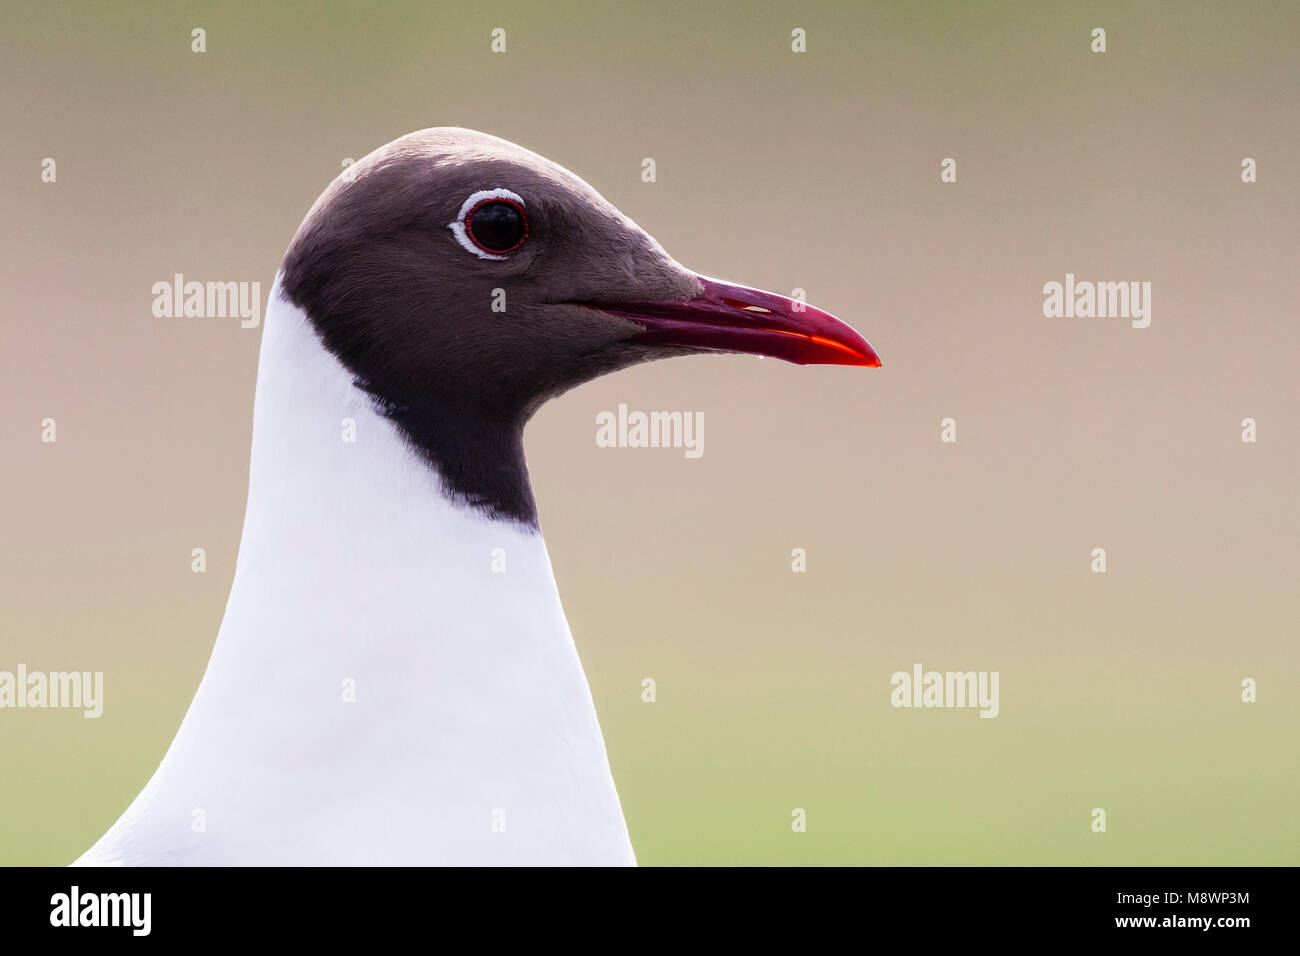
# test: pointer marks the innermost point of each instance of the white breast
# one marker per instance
(472, 738)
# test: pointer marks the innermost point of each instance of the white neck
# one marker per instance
(394, 681)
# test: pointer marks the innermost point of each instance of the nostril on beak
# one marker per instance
(745, 307)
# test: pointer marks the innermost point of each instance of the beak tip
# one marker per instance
(868, 357)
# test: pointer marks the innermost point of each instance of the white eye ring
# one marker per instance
(458, 227)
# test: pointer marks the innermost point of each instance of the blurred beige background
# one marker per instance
(780, 170)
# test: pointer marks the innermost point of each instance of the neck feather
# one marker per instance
(394, 680)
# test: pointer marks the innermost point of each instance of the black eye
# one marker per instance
(497, 225)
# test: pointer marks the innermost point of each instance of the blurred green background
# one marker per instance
(779, 170)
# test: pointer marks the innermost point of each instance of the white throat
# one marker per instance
(394, 681)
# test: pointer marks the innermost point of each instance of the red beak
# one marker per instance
(735, 318)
